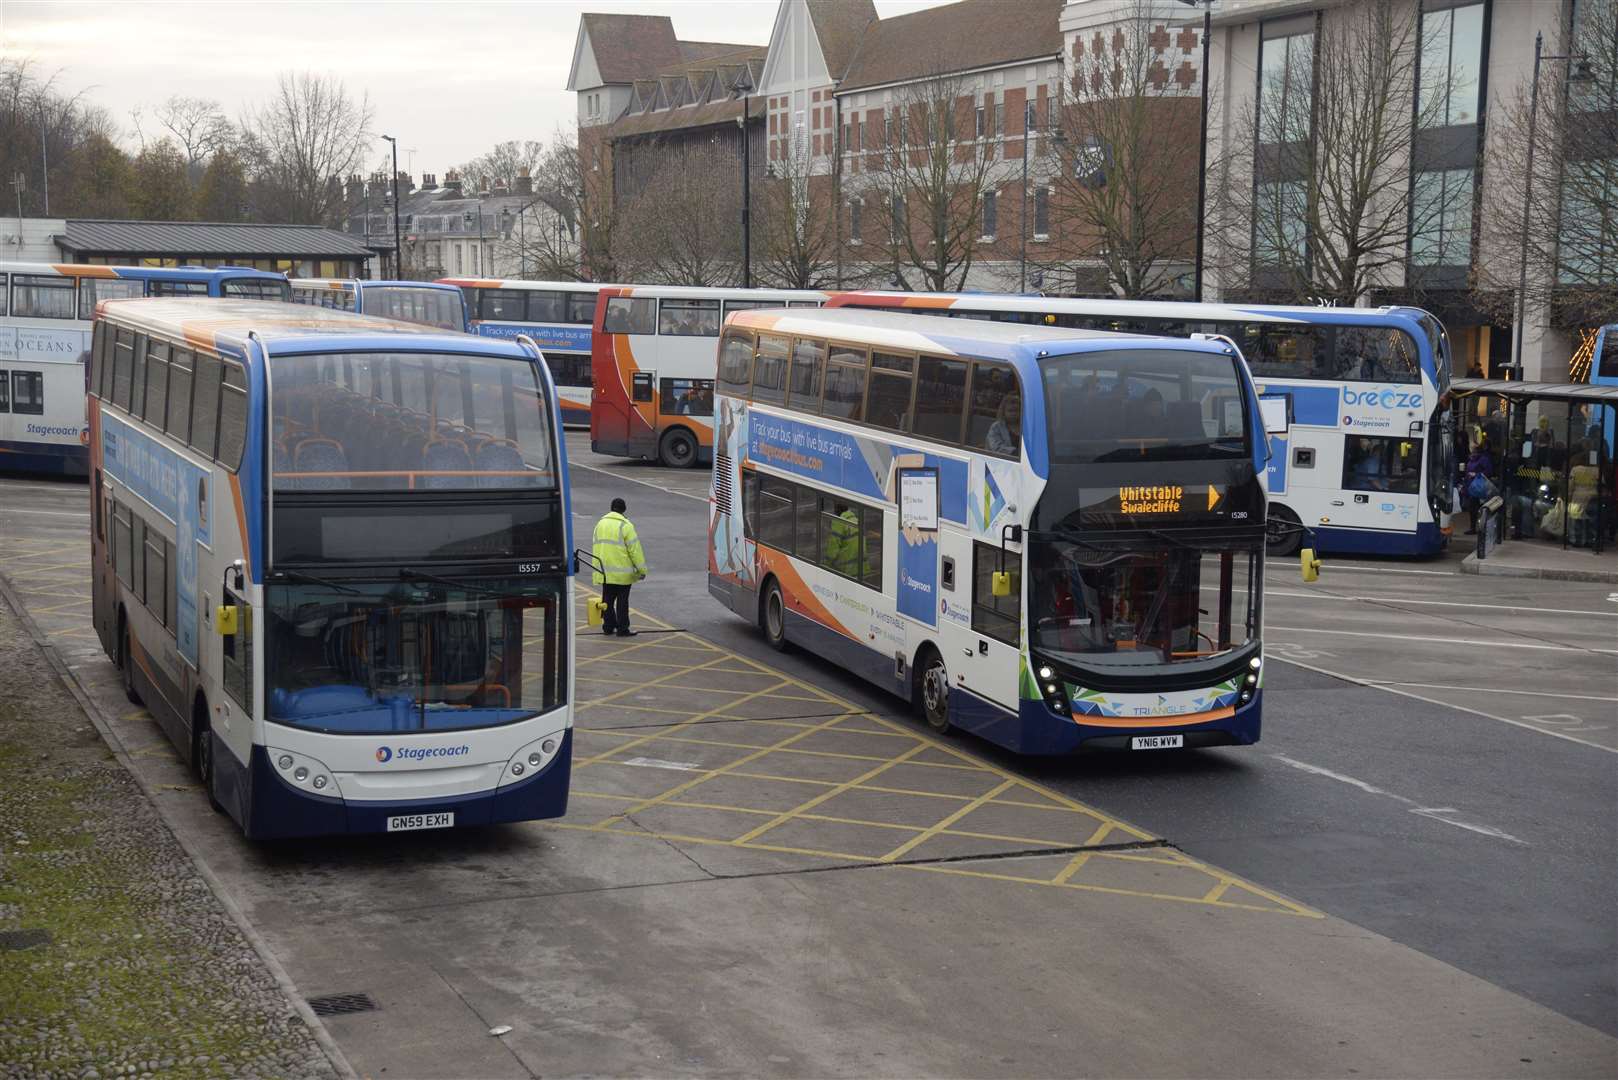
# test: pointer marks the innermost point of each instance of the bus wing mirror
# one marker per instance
(1309, 564)
(224, 619)
(1274, 411)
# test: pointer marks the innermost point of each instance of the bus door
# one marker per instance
(990, 665)
(233, 709)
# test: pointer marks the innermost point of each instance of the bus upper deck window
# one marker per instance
(630, 315)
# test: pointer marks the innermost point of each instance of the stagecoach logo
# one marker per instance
(386, 754)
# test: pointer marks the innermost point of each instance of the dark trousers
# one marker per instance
(616, 618)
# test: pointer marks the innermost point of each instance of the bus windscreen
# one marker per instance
(392, 421)
(1144, 404)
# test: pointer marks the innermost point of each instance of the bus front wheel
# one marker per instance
(678, 450)
(202, 759)
(774, 618)
(1283, 531)
(932, 686)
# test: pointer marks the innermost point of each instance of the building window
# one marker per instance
(855, 225)
(1042, 212)
(990, 215)
(1286, 85)
(980, 127)
(1451, 65)
(459, 261)
(1441, 218)
(990, 127)
(897, 220)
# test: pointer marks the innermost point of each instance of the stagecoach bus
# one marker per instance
(556, 315)
(1051, 538)
(653, 363)
(45, 312)
(423, 302)
(1369, 464)
(329, 557)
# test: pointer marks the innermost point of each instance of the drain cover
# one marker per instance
(15, 940)
(341, 1004)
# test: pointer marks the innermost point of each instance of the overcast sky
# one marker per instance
(449, 79)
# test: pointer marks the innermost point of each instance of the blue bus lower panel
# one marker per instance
(1428, 539)
(275, 810)
(50, 458)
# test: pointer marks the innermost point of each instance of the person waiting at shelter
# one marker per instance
(1476, 487)
(1583, 493)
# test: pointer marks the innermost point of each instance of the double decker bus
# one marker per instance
(329, 556)
(424, 302)
(557, 315)
(45, 313)
(652, 393)
(1050, 538)
(1369, 464)
(1604, 372)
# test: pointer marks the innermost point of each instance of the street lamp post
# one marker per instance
(398, 252)
(1528, 194)
(742, 89)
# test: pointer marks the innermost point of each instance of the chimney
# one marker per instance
(525, 183)
(428, 181)
(499, 188)
(452, 183)
(406, 184)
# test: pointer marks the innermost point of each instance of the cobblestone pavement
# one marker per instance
(116, 959)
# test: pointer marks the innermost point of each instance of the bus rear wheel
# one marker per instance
(1282, 532)
(773, 617)
(932, 689)
(126, 663)
(678, 450)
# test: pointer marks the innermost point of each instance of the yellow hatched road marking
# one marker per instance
(916, 841)
(869, 774)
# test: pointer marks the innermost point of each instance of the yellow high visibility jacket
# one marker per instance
(618, 550)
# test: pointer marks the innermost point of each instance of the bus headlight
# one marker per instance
(1255, 663)
(304, 773)
(1045, 672)
(531, 758)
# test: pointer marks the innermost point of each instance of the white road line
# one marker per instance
(1440, 640)
(632, 480)
(1491, 690)
(1329, 566)
(1435, 813)
(1502, 607)
(1535, 728)
(49, 513)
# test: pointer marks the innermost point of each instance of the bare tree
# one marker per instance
(795, 224)
(582, 167)
(199, 126)
(504, 163)
(310, 133)
(923, 184)
(1123, 164)
(680, 228)
(1569, 239)
(1328, 203)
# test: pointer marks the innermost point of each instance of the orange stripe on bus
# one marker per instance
(74, 270)
(1188, 720)
(241, 523)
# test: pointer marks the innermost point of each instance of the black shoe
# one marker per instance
(629, 633)
(608, 631)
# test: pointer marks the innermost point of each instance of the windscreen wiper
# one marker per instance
(407, 574)
(310, 579)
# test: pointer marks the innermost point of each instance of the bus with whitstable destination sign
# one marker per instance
(329, 555)
(1054, 539)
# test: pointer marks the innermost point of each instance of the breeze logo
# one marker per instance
(1387, 399)
(419, 753)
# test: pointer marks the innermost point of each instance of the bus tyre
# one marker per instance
(1288, 537)
(678, 450)
(202, 759)
(932, 689)
(126, 663)
(773, 616)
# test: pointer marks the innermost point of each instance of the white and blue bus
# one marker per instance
(1369, 464)
(1604, 372)
(329, 556)
(1051, 538)
(425, 302)
(557, 315)
(45, 312)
